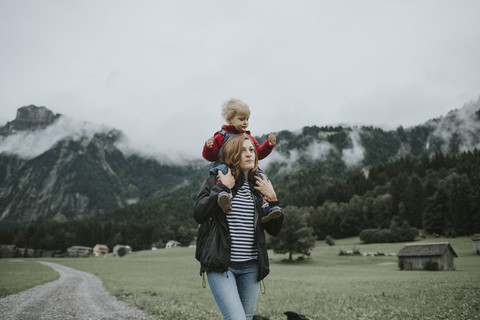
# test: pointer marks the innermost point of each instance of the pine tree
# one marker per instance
(296, 236)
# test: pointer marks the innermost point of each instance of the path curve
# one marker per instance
(75, 295)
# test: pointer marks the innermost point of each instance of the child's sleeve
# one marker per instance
(211, 154)
(263, 150)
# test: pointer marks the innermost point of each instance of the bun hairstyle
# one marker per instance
(232, 154)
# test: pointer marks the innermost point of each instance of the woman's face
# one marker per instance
(247, 161)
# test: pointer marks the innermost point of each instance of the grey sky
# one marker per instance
(160, 70)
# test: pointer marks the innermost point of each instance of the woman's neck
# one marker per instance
(245, 173)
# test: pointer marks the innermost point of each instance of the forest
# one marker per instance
(435, 195)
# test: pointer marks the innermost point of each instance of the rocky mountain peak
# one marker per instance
(30, 118)
(35, 114)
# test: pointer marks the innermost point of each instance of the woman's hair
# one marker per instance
(232, 106)
(232, 154)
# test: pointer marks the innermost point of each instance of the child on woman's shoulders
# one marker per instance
(237, 113)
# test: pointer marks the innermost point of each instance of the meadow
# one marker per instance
(324, 285)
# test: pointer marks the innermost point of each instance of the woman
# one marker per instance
(232, 247)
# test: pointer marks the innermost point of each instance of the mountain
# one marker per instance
(305, 162)
(28, 119)
(79, 176)
(82, 173)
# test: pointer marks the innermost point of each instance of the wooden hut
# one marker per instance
(79, 251)
(476, 243)
(427, 256)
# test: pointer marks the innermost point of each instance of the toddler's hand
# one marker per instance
(272, 140)
(209, 143)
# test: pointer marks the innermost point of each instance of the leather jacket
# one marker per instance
(206, 210)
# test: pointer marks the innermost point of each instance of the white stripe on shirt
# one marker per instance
(241, 225)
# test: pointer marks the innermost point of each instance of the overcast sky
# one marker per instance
(160, 70)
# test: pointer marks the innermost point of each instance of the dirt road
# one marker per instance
(75, 295)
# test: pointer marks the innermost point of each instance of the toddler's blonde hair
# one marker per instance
(232, 106)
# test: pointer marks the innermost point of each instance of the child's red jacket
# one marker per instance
(211, 154)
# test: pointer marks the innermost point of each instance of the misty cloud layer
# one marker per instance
(30, 144)
(160, 73)
(317, 151)
(464, 127)
(355, 154)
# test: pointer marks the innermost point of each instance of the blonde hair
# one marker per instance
(232, 106)
(232, 154)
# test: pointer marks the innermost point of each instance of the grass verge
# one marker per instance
(21, 274)
(325, 285)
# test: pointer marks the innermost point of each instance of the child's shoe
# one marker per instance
(274, 213)
(224, 200)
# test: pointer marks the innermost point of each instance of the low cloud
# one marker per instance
(30, 144)
(315, 151)
(459, 126)
(354, 155)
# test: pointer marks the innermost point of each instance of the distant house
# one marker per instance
(171, 244)
(118, 246)
(79, 251)
(476, 243)
(100, 249)
(427, 256)
(25, 252)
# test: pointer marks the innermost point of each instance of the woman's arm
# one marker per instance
(265, 187)
(206, 204)
(274, 226)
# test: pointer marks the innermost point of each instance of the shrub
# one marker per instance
(329, 240)
(394, 234)
(122, 251)
(6, 252)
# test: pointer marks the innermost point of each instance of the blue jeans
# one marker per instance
(236, 290)
(218, 165)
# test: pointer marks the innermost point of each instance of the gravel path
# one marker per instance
(75, 295)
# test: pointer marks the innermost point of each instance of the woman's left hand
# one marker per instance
(265, 187)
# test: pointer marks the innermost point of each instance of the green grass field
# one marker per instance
(20, 274)
(325, 285)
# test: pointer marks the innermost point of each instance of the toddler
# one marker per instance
(237, 113)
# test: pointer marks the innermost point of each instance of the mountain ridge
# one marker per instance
(86, 175)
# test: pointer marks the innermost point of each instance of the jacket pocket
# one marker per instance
(216, 253)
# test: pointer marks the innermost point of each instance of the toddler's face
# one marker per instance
(240, 120)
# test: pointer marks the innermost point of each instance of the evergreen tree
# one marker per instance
(296, 236)
(435, 212)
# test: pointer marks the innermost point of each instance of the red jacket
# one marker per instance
(211, 154)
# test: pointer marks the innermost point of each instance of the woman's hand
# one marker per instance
(265, 187)
(227, 179)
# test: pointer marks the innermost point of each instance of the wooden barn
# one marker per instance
(427, 256)
(79, 251)
(476, 243)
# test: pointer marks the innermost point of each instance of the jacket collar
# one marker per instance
(232, 129)
(241, 180)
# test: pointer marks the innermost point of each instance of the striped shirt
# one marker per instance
(241, 225)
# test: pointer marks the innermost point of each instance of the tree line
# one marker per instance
(438, 194)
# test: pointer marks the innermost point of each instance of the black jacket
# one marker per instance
(207, 212)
